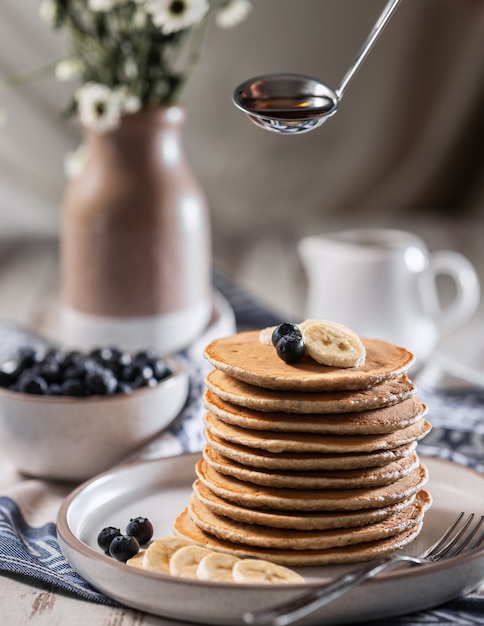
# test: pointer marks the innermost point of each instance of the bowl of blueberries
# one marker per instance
(69, 415)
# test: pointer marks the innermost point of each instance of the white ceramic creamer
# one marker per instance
(382, 283)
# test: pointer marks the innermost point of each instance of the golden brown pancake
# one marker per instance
(253, 397)
(316, 479)
(244, 357)
(309, 442)
(306, 464)
(374, 421)
(306, 461)
(288, 539)
(259, 497)
(184, 527)
(296, 520)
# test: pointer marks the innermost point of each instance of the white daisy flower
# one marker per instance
(48, 11)
(68, 69)
(75, 161)
(232, 13)
(174, 15)
(99, 107)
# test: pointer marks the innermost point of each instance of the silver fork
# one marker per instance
(462, 535)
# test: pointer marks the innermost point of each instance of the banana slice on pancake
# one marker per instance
(263, 572)
(265, 335)
(332, 344)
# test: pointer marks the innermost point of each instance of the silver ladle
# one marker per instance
(292, 103)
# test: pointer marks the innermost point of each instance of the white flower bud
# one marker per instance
(233, 13)
(48, 11)
(68, 69)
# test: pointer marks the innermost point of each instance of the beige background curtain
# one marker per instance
(408, 136)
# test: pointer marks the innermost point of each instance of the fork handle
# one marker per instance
(297, 608)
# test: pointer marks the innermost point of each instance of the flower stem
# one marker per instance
(194, 56)
(27, 76)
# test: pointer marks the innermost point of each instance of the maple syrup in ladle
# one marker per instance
(292, 103)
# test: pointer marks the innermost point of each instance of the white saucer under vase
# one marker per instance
(167, 333)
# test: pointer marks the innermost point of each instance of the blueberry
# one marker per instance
(73, 387)
(141, 528)
(123, 387)
(101, 354)
(54, 356)
(32, 384)
(160, 369)
(54, 390)
(141, 381)
(72, 357)
(9, 372)
(145, 356)
(287, 328)
(136, 372)
(106, 536)
(123, 547)
(27, 356)
(101, 382)
(50, 371)
(290, 348)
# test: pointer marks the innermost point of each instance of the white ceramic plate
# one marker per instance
(160, 490)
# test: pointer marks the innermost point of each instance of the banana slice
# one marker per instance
(216, 566)
(265, 572)
(136, 560)
(157, 556)
(265, 335)
(185, 561)
(333, 344)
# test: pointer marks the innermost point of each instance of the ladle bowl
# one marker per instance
(293, 103)
(286, 103)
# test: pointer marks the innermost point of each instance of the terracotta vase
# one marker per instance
(135, 240)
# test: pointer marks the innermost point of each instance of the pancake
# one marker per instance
(244, 357)
(319, 479)
(259, 497)
(373, 421)
(184, 527)
(288, 539)
(302, 461)
(309, 442)
(297, 521)
(243, 394)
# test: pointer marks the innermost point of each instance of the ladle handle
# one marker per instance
(366, 47)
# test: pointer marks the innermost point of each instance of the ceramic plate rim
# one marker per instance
(77, 545)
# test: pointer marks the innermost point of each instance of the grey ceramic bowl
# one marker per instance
(72, 438)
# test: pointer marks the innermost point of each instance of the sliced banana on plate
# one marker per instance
(260, 571)
(157, 556)
(185, 561)
(136, 560)
(179, 557)
(216, 566)
(333, 344)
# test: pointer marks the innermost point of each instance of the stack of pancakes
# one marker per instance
(306, 464)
